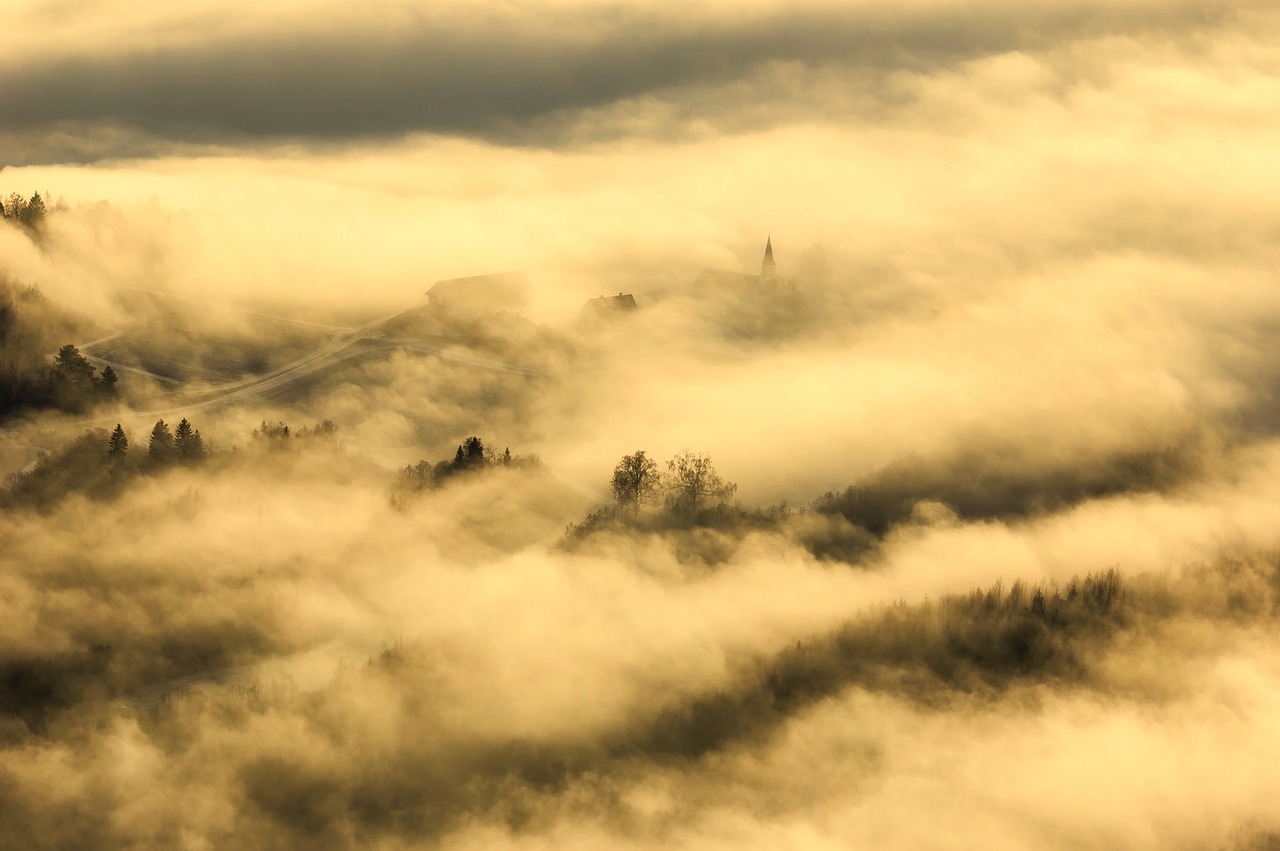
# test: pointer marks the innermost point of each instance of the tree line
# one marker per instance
(25, 212)
(277, 434)
(471, 457)
(72, 384)
(100, 463)
(690, 483)
(689, 492)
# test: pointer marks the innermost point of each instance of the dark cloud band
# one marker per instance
(462, 78)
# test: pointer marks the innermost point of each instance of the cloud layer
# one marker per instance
(1024, 341)
(514, 72)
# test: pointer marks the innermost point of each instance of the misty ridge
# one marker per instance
(603, 425)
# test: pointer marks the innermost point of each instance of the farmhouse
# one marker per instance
(480, 295)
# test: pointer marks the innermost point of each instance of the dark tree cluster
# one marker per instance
(25, 212)
(278, 436)
(183, 444)
(842, 525)
(471, 457)
(690, 484)
(691, 492)
(100, 463)
(975, 644)
(71, 384)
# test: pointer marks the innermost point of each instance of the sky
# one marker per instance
(601, 142)
(1036, 245)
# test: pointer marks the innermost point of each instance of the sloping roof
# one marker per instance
(620, 303)
(517, 283)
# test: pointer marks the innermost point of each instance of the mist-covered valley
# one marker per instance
(409, 440)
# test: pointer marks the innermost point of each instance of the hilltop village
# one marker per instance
(479, 296)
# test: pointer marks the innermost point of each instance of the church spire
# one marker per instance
(767, 267)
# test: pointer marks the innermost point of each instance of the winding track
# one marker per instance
(349, 343)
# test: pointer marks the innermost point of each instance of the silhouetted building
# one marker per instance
(611, 305)
(713, 281)
(607, 308)
(480, 295)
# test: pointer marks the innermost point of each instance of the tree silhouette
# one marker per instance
(14, 206)
(33, 213)
(276, 431)
(187, 443)
(635, 481)
(161, 445)
(118, 446)
(692, 479)
(28, 213)
(470, 454)
(108, 379)
(73, 366)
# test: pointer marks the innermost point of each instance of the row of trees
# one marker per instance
(28, 213)
(164, 445)
(75, 369)
(277, 434)
(71, 384)
(689, 492)
(100, 464)
(689, 484)
(472, 456)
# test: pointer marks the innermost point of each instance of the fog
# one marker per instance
(982, 548)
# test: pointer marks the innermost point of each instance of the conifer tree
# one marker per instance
(161, 446)
(73, 365)
(187, 443)
(33, 213)
(118, 446)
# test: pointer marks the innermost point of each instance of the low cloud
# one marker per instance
(999, 568)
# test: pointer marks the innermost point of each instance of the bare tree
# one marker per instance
(692, 480)
(635, 481)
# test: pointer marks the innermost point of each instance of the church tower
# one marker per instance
(768, 268)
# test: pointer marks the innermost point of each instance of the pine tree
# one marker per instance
(118, 447)
(161, 446)
(182, 438)
(73, 365)
(33, 212)
(197, 445)
(187, 442)
(108, 380)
